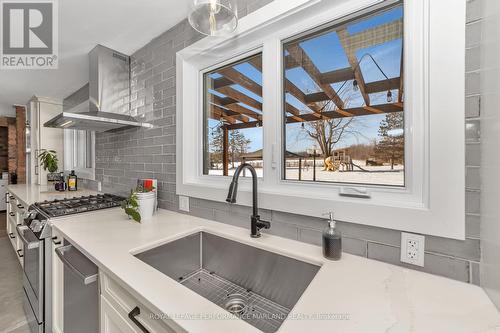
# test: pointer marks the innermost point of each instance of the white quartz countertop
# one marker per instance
(29, 194)
(374, 296)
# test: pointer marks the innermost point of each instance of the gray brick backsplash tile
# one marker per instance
(202, 203)
(472, 154)
(472, 106)
(473, 34)
(300, 220)
(472, 59)
(232, 219)
(473, 10)
(369, 233)
(472, 130)
(475, 273)
(468, 249)
(441, 265)
(310, 236)
(472, 178)
(472, 83)
(206, 213)
(472, 202)
(281, 229)
(125, 155)
(354, 246)
(472, 226)
(349, 245)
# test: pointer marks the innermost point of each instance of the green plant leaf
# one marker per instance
(136, 216)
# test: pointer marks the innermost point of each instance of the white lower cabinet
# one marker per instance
(57, 285)
(14, 218)
(122, 312)
(112, 321)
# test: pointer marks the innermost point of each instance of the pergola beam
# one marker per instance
(378, 35)
(307, 117)
(339, 75)
(358, 111)
(241, 79)
(310, 68)
(372, 87)
(240, 97)
(232, 104)
(353, 61)
(228, 114)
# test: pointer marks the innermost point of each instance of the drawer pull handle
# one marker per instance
(19, 253)
(55, 241)
(11, 214)
(20, 206)
(134, 313)
(11, 235)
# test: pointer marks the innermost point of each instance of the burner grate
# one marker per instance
(79, 204)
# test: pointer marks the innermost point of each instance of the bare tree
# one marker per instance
(327, 132)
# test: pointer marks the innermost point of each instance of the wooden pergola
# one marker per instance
(239, 110)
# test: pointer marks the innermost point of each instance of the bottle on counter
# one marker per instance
(332, 240)
(72, 181)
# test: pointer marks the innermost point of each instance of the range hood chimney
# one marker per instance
(103, 104)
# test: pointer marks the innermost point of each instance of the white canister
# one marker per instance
(146, 203)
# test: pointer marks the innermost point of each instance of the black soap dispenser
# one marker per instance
(332, 240)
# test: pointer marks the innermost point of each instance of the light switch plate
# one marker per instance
(184, 203)
(412, 249)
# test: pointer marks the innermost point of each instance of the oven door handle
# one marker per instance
(29, 245)
(86, 278)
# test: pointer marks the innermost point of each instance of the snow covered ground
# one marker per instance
(377, 175)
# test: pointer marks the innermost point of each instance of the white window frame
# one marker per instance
(72, 152)
(433, 198)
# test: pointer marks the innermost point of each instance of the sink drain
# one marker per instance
(236, 304)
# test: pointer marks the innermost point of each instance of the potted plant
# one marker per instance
(140, 204)
(48, 159)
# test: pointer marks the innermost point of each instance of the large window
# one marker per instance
(79, 152)
(332, 112)
(233, 117)
(344, 111)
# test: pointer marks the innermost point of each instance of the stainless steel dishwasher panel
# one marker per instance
(81, 294)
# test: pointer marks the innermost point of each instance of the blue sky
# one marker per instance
(327, 54)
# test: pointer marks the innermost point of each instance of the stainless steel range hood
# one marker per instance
(103, 104)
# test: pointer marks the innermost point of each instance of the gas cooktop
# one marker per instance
(76, 205)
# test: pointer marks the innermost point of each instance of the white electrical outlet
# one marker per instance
(412, 249)
(184, 203)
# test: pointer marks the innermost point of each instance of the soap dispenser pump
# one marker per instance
(332, 240)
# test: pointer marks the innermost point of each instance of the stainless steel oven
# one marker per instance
(37, 275)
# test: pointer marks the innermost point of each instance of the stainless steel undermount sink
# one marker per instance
(258, 286)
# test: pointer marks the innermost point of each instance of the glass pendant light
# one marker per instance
(214, 17)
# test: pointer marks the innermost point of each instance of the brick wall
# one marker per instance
(123, 156)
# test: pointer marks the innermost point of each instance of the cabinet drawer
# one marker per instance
(112, 321)
(124, 303)
(16, 242)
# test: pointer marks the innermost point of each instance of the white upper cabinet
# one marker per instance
(41, 110)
